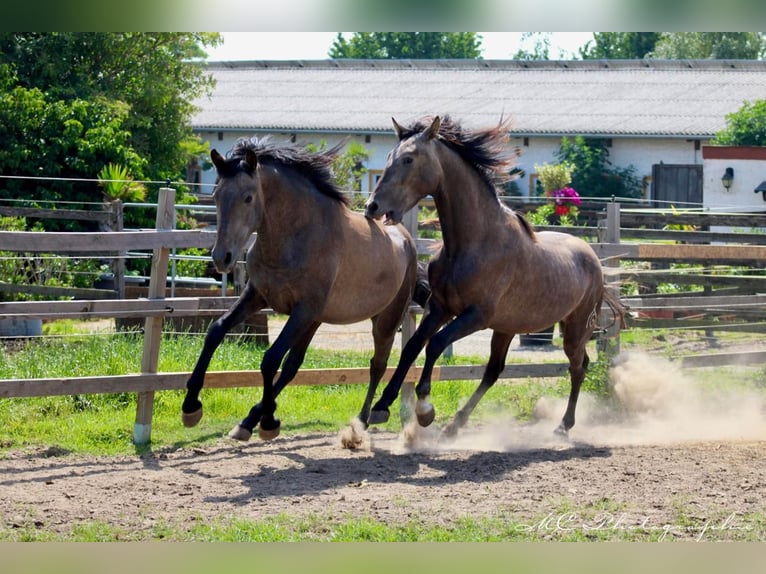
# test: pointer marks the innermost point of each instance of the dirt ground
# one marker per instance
(689, 470)
(718, 485)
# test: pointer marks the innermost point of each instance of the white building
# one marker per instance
(651, 111)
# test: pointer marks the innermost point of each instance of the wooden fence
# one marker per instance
(610, 240)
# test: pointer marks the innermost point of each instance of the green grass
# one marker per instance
(103, 423)
(568, 521)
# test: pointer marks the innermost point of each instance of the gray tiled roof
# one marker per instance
(685, 98)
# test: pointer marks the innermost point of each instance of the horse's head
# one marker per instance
(412, 172)
(238, 202)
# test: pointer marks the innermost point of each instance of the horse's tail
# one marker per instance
(612, 299)
(422, 287)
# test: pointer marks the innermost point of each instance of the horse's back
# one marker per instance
(376, 262)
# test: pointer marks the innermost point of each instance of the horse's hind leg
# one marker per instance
(384, 329)
(247, 304)
(495, 365)
(575, 341)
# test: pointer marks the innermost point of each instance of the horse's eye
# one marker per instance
(248, 199)
(407, 159)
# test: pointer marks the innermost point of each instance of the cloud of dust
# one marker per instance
(652, 402)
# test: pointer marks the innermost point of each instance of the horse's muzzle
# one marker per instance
(372, 211)
(224, 263)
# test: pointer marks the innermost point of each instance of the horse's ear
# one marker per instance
(397, 129)
(433, 129)
(218, 160)
(251, 159)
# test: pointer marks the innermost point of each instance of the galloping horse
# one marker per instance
(314, 259)
(493, 271)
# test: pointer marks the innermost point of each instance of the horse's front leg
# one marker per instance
(248, 303)
(470, 321)
(244, 430)
(293, 342)
(431, 322)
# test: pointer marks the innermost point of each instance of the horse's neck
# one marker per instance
(290, 203)
(467, 210)
(294, 212)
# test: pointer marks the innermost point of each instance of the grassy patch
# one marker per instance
(103, 423)
(568, 522)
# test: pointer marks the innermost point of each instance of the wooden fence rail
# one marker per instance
(156, 307)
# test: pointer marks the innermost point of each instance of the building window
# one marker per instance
(373, 176)
(532, 185)
(194, 175)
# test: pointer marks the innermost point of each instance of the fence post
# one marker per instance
(153, 325)
(610, 342)
(118, 265)
(407, 394)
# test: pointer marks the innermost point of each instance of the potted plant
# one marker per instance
(562, 208)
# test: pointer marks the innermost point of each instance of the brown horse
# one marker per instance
(314, 259)
(493, 271)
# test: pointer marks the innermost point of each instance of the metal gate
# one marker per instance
(677, 184)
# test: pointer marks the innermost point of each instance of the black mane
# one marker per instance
(486, 149)
(315, 166)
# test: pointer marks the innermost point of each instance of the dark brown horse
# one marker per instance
(493, 271)
(314, 259)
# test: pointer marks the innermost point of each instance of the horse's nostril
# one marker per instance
(227, 259)
(372, 207)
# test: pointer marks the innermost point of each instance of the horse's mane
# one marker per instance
(315, 166)
(486, 149)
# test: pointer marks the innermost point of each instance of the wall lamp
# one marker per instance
(761, 189)
(728, 177)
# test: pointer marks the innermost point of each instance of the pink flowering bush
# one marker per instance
(567, 202)
(564, 202)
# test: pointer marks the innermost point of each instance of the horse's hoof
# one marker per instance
(355, 436)
(240, 433)
(191, 419)
(268, 434)
(425, 413)
(378, 417)
(449, 433)
(561, 432)
(269, 430)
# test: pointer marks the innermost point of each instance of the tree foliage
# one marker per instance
(48, 138)
(540, 48)
(746, 126)
(594, 175)
(407, 45)
(710, 45)
(71, 102)
(620, 45)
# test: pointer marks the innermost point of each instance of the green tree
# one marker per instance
(620, 45)
(746, 126)
(45, 137)
(348, 169)
(710, 45)
(135, 87)
(407, 45)
(541, 46)
(593, 174)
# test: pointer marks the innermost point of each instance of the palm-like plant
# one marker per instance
(117, 183)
